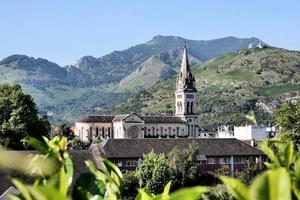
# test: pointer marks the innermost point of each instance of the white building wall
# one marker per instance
(87, 131)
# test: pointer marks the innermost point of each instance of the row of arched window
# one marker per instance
(189, 107)
(97, 132)
(164, 132)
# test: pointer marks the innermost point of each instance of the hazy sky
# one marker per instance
(63, 31)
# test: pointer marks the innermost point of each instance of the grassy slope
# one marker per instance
(228, 87)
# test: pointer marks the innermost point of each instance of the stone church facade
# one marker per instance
(183, 125)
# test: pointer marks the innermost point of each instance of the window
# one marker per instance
(177, 131)
(161, 131)
(239, 160)
(212, 160)
(170, 131)
(103, 135)
(131, 163)
(192, 107)
(187, 107)
(97, 131)
(108, 133)
(225, 160)
(201, 162)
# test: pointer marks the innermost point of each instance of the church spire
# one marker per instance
(185, 65)
(185, 79)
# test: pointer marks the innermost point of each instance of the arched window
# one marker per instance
(91, 133)
(170, 131)
(97, 131)
(103, 135)
(153, 131)
(161, 131)
(192, 107)
(187, 107)
(180, 106)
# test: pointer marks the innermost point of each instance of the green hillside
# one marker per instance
(229, 87)
(93, 85)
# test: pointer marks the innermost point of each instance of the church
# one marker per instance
(183, 125)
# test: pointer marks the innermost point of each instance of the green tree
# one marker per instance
(19, 117)
(184, 164)
(288, 120)
(154, 172)
(130, 183)
(62, 130)
(250, 171)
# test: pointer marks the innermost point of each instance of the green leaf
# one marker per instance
(22, 188)
(63, 182)
(236, 188)
(69, 168)
(289, 155)
(264, 146)
(37, 144)
(88, 187)
(112, 167)
(143, 195)
(271, 185)
(90, 164)
(165, 194)
(192, 193)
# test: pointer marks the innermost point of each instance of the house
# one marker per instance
(127, 154)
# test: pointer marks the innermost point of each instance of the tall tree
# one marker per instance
(288, 120)
(19, 117)
(184, 164)
(154, 172)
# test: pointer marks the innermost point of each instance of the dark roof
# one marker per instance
(135, 148)
(152, 119)
(99, 118)
(120, 117)
(158, 119)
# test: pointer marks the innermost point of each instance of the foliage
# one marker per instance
(217, 192)
(287, 118)
(250, 171)
(19, 117)
(76, 143)
(55, 185)
(154, 172)
(184, 164)
(107, 183)
(130, 183)
(280, 181)
(62, 130)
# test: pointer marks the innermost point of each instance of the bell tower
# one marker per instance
(185, 96)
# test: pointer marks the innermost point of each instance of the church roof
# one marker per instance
(98, 118)
(160, 119)
(153, 119)
(136, 148)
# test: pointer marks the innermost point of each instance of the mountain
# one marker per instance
(93, 85)
(230, 86)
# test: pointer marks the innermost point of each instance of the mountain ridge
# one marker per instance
(93, 84)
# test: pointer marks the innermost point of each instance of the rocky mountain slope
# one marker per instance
(95, 84)
(229, 87)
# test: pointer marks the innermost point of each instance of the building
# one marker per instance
(246, 133)
(213, 153)
(183, 125)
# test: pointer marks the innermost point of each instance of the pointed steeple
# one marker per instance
(185, 65)
(185, 80)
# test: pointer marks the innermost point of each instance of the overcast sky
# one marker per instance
(63, 31)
